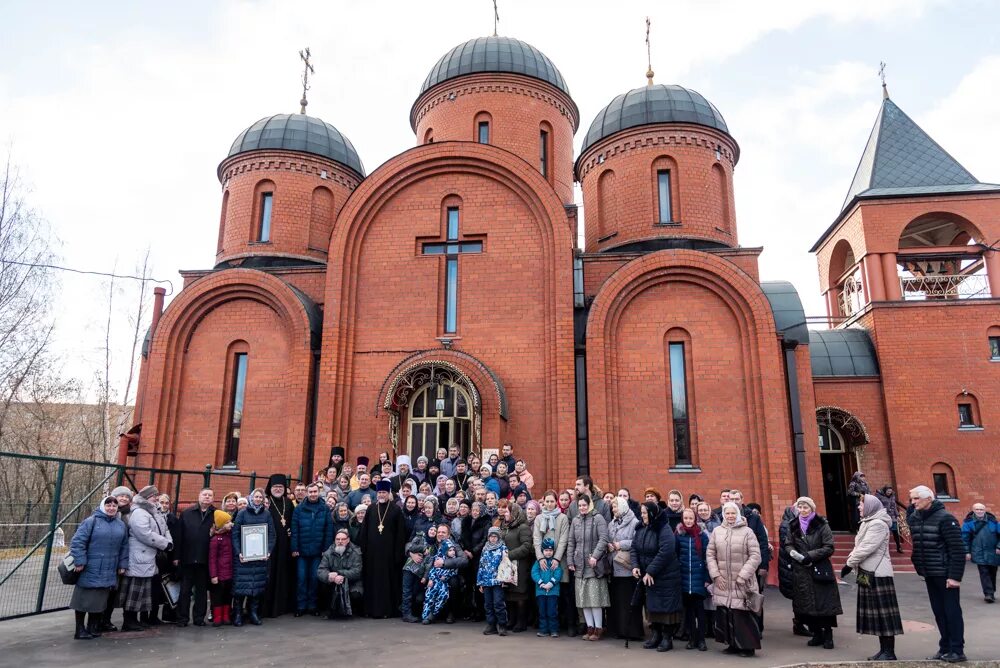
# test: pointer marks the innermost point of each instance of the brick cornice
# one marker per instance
(494, 82)
(656, 135)
(289, 161)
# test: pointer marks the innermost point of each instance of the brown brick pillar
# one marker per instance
(873, 269)
(890, 272)
(993, 272)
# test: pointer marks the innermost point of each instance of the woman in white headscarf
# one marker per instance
(733, 556)
(878, 610)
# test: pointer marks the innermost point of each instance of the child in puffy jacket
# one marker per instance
(547, 590)
(492, 589)
(220, 568)
(419, 552)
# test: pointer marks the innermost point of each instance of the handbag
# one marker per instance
(67, 571)
(754, 602)
(507, 571)
(624, 559)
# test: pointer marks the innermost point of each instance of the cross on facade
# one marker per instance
(451, 248)
(306, 71)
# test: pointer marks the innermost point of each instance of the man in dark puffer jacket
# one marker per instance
(939, 556)
(312, 534)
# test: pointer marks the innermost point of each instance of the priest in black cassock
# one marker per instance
(279, 597)
(382, 539)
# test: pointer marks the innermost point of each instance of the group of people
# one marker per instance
(445, 540)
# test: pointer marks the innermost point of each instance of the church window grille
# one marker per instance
(679, 405)
(236, 409)
(663, 196)
(264, 230)
(484, 132)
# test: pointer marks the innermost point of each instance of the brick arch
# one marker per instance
(178, 325)
(750, 310)
(375, 192)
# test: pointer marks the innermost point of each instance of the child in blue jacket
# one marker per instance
(547, 590)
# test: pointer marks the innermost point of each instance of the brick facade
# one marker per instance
(355, 309)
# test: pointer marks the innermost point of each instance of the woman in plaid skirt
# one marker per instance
(878, 611)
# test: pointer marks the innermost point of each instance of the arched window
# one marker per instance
(968, 411)
(236, 375)
(439, 414)
(680, 390)
(993, 339)
(722, 192)
(666, 191)
(263, 209)
(222, 220)
(545, 151)
(482, 128)
(429, 136)
(607, 206)
(320, 218)
(944, 481)
(830, 439)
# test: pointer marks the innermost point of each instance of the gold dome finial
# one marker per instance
(307, 70)
(649, 57)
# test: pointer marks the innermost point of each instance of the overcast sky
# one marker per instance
(120, 112)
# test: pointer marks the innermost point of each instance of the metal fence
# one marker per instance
(44, 499)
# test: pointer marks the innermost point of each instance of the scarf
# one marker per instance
(489, 547)
(548, 519)
(804, 521)
(694, 531)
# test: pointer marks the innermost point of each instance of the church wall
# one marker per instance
(301, 218)
(516, 108)
(929, 353)
(310, 280)
(699, 209)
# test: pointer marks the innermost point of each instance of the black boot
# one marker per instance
(254, 610)
(94, 624)
(490, 630)
(799, 629)
(817, 639)
(667, 643)
(828, 638)
(654, 642)
(238, 611)
(106, 625)
(81, 630)
(887, 649)
(522, 617)
(131, 622)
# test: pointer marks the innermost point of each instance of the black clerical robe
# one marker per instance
(279, 597)
(382, 559)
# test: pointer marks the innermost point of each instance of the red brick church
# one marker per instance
(444, 299)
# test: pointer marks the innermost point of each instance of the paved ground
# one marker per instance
(47, 641)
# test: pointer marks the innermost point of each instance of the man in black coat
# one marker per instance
(191, 555)
(939, 556)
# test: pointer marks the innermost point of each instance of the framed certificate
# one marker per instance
(253, 542)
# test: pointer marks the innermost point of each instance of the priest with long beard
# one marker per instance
(279, 597)
(382, 539)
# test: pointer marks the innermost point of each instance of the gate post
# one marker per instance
(253, 482)
(208, 475)
(53, 519)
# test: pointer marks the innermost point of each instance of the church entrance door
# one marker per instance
(439, 414)
(838, 467)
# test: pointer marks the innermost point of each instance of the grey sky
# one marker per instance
(120, 112)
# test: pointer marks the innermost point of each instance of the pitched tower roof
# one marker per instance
(901, 159)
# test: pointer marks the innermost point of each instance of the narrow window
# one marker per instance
(236, 409)
(265, 217)
(941, 488)
(995, 347)
(966, 417)
(543, 145)
(484, 132)
(678, 397)
(451, 277)
(663, 188)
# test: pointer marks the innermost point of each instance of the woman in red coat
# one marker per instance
(220, 568)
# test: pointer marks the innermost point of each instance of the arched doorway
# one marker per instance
(439, 414)
(842, 438)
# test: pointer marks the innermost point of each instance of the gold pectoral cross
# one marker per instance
(380, 527)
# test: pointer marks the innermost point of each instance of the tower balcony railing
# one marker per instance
(851, 297)
(945, 287)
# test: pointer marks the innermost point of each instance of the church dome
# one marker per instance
(300, 133)
(650, 105)
(494, 54)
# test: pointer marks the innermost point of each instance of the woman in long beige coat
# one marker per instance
(733, 556)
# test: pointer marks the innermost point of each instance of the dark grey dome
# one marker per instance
(298, 132)
(494, 54)
(653, 104)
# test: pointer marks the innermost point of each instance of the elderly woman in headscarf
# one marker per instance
(516, 535)
(815, 598)
(732, 557)
(655, 566)
(587, 549)
(100, 554)
(148, 535)
(420, 473)
(878, 610)
(250, 577)
(472, 539)
(622, 622)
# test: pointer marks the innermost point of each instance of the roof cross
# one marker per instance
(649, 57)
(307, 70)
(496, 17)
(881, 75)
